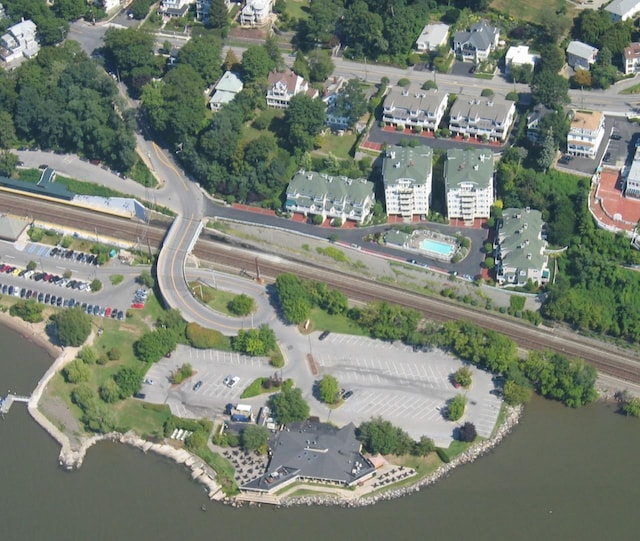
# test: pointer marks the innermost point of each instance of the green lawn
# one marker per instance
(141, 174)
(298, 9)
(144, 419)
(635, 89)
(338, 145)
(215, 298)
(530, 11)
(321, 321)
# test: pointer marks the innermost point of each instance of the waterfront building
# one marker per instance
(468, 176)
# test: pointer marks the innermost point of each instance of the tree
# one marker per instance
(132, 51)
(231, 60)
(462, 377)
(109, 391)
(551, 58)
(203, 54)
(350, 103)
(328, 389)
(218, 16)
(467, 432)
(83, 396)
(76, 371)
(7, 130)
(197, 440)
(293, 298)
(289, 406)
(547, 152)
(255, 438)
(550, 89)
(380, 436)
(272, 48)
(303, 119)
(320, 65)
(455, 408)
(320, 27)
(146, 279)
(521, 73)
(128, 381)
(363, 31)
(96, 285)
(241, 305)
(516, 393)
(140, 8)
(590, 25)
(582, 78)
(301, 66)
(88, 355)
(71, 327)
(70, 10)
(8, 163)
(152, 346)
(255, 64)
(424, 446)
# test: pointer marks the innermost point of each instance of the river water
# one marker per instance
(563, 474)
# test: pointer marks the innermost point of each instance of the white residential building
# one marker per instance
(622, 10)
(282, 86)
(520, 248)
(225, 90)
(489, 116)
(632, 184)
(581, 55)
(412, 107)
(631, 57)
(407, 176)
(312, 193)
(585, 134)
(432, 37)
(19, 42)
(111, 5)
(468, 177)
(476, 44)
(520, 56)
(175, 8)
(256, 12)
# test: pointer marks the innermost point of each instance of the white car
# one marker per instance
(231, 381)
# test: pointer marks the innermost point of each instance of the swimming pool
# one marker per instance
(442, 249)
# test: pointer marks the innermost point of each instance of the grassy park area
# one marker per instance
(531, 11)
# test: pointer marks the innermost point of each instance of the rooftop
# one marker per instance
(434, 33)
(587, 120)
(621, 7)
(632, 52)
(492, 108)
(229, 82)
(468, 166)
(413, 163)
(313, 450)
(521, 245)
(583, 50)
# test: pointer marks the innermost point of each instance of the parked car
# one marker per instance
(197, 385)
(324, 335)
(347, 395)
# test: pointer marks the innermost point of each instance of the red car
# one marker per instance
(137, 305)
(107, 312)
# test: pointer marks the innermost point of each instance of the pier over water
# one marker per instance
(6, 403)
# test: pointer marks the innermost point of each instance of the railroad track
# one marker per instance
(607, 359)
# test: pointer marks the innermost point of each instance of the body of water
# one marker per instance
(562, 475)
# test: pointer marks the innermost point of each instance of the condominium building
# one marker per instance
(489, 117)
(407, 177)
(413, 107)
(312, 193)
(468, 177)
(586, 133)
(520, 248)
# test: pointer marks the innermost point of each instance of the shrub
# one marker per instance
(116, 279)
(35, 234)
(29, 311)
(72, 327)
(486, 93)
(88, 355)
(429, 85)
(76, 371)
(463, 377)
(241, 305)
(202, 338)
(113, 354)
(146, 279)
(96, 285)
(66, 241)
(109, 392)
(404, 82)
(455, 408)
(181, 373)
(328, 389)
(467, 432)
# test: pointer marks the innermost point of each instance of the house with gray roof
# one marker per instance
(581, 55)
(623, 10)
(413, 107)
(225, 90)
(488, 117)
(316, 452)
(475, 44)
(533, 122)
(520, 248)
(20, 42)
(468, 178)
(312, 193)
(407, 176)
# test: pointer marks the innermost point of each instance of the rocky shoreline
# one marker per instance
(513, 417)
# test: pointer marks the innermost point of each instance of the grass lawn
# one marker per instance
(116, 279)
(138, 416)
(215, 298)
(338, 145)
(298, 9)
(635, 89)
(530, 11)
(255, 388)
(321, 321)
(222, 467)
(141, 174)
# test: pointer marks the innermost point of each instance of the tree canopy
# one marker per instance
(289, 406)
(328, 389)
(71, 327)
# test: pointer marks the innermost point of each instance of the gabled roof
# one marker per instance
(229, 82)
(481, 36)
(581, 50)
(519, 236)
(287, 78)
(402, 163)
(492, 108)
(468, 166)
(632, 52)
(621, 7)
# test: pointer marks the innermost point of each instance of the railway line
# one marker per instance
(607, 359)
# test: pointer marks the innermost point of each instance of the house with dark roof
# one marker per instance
(533, 122)
(282, 86)
(520, 248)
(475, 44)
(312, 193)
(314, 452)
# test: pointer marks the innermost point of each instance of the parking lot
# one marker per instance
(408, 388)
(211, 367)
